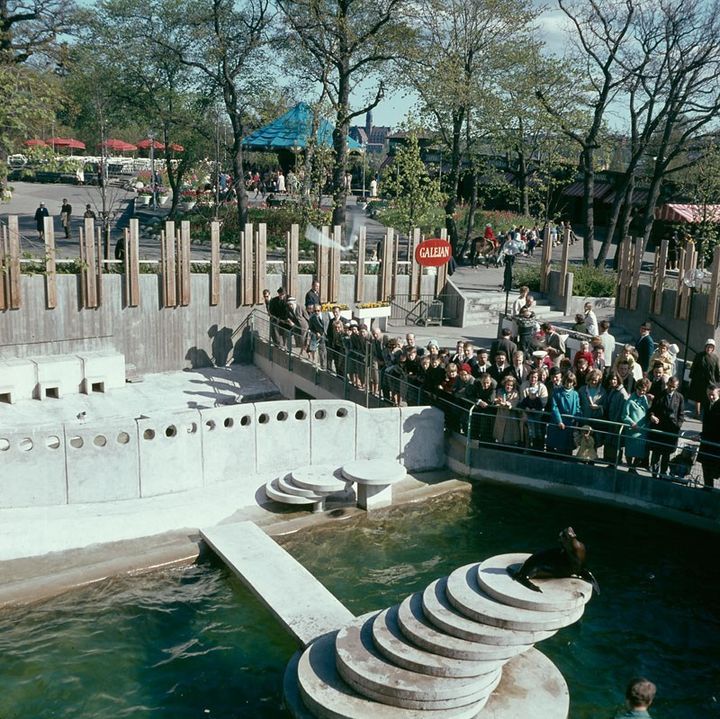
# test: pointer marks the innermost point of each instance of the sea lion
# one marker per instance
(567, 560)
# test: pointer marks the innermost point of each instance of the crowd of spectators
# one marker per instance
(603, 402)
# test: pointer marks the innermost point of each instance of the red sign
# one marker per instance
(433, 252)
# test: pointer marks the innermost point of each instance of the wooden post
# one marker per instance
(89, 270)
(623, 272)
(322, 268)
(564, 260)
(132, 264)
(99, 265)
(396, 265)
(680, 286)
(334, 264)
(167, 245)
(260, 262)
(360, 269)
(50, 269)
(14, 293)
(185, 292)
(415, 268)
(637, 266)
(442, 271)
(214, 263)
(291, 260)
(388, 252)
(714, 294)
(246, 278)
(4, 258)
(658, 282)
(545, 260)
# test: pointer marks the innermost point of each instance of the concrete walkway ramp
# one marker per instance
(298, 600)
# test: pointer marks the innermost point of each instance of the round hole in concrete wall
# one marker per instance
(342, 412)
(210, 424)
(228, 423)
(264, 418)
(26, 444)
(171, 431)
(100, 440)
(320, 414)
(245, 421)
(300, 414)
(149, 434)
(123, 438)
(282, 416)
(192, 428)
(4, 444)
(52, 442)
(76, 442)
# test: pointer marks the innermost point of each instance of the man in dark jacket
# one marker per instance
(705, 371)
(40, 214)
(666, 418)
(504, 345)
(277, 309)
(709, 454)
(645, 347)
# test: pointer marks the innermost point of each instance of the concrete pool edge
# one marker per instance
(37, 578)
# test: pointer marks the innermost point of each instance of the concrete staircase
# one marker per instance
(484, 307)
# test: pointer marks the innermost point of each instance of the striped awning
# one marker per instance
(577, 189)
(688, 213)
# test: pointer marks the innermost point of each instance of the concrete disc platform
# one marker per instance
(373, 471)
(441, 613)
(466, 596)
(418, 629)
(321, 478)
(400, 650)
(286, 485)
(556, 595)
(531, 686)
(273, 491)
(361, 665)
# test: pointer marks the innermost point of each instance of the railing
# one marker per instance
(663, 455)
(425, 310)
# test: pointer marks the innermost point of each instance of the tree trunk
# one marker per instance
(340, 133)
(454, 181)
(588, 215)
(471, 211)
(619, 202)
(653, 195)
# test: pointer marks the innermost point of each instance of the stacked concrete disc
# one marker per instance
(308, 485)
(441, 653)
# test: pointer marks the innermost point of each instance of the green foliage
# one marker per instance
(499, 220)
(588, 281)
(415, 198)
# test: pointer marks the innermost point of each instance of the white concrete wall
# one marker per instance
(169, 453)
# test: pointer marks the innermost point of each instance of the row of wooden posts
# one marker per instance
(175, 260)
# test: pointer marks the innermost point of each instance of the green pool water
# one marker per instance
(192, 642)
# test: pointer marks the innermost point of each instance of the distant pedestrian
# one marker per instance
(89, 213)
(65, 213)
(40, 214)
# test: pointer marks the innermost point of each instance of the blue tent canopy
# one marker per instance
(292, 130)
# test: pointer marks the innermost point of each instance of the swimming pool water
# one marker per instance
(192, 642)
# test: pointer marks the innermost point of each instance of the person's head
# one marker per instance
(469, 349)
(280, 290)
(658, 370)
(594, 377)
(630, 353)
(338, 327)
(451, 370)
(710, 346)
(377, 333)
(411, 352)
(673, 383)
(645, 329)
(292, 302)
(582, 364)
(425, 362)
(599, 352)
(508, 383)
(434, 359)
(623, 370)
(546, 327)
(556, 376)
(506, 332)
(518, 357)
(663, 345)
(579, 319)
(588, 306)
(584, 346)
(483, 356)
(604, 325)
(640, 693)
(410, 339)
(500, 359)
(317, 309)
(459, 346)
(465, 372)
(533, 376)
(524, 290)
(544, 372)
(524, 311)
(336, 312)
(64, 201)
(614, 380)
(713, 392)
(642, 386)
(316, 286)
(42, 204)
(569, 381)
(485, 380)
(87, 207)
(266, 295)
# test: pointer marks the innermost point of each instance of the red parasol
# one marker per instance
(175, 147)
(145, 145)
(119, 145)
(68, 142)
(35, 143)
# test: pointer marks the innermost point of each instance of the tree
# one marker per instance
(414, 194)
(346, 42)
(31, 27)
(452, 65)
(601, 29)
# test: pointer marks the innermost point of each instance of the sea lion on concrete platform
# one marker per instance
(567, 560)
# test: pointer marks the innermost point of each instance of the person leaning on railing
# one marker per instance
(508, 427)
(635, 418)
(614, 403)
(564, 409)
(666, 416)
(533, 399)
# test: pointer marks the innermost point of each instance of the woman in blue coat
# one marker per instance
(564, 408)
(634, 418)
